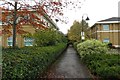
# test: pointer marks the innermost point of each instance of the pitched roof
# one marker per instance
(111, 19)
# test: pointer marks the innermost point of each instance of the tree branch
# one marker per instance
(19, 8)
(11, 4)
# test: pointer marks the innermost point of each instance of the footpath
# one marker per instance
(68, 65)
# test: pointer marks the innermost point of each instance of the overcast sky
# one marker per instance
(95, 9)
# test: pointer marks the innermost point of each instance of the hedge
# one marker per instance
(101, 64)
(104, 65)
(28, 62)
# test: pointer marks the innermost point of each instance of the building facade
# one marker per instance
(107, 30)
(27, 29)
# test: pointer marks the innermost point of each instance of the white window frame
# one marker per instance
(106, 27)
(25, 41)
(106, 40)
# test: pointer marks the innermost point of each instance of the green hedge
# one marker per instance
(95, 55)
(104, 65)
(28, 62)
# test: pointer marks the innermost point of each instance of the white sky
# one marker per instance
(95, 9)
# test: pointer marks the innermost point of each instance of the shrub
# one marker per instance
(90, 47)
(26, 63)
(103, 65)
(75, 44)
(95, 56)
(45, 37)
(48, 37)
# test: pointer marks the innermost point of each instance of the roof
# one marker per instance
(111, 19)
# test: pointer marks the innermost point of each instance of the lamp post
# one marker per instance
(82, 33)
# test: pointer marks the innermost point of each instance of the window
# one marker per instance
(105, 27)
(28, 41)
(10, 41)
(106, 40)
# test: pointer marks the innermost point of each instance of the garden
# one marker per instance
(29, 62)
(101, 63)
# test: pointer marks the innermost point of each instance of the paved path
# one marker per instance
(68, 66)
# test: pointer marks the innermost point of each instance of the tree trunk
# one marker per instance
(14, 25)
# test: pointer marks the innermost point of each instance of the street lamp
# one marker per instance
(82, 33)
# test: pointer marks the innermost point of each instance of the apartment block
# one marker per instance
(107, 30)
